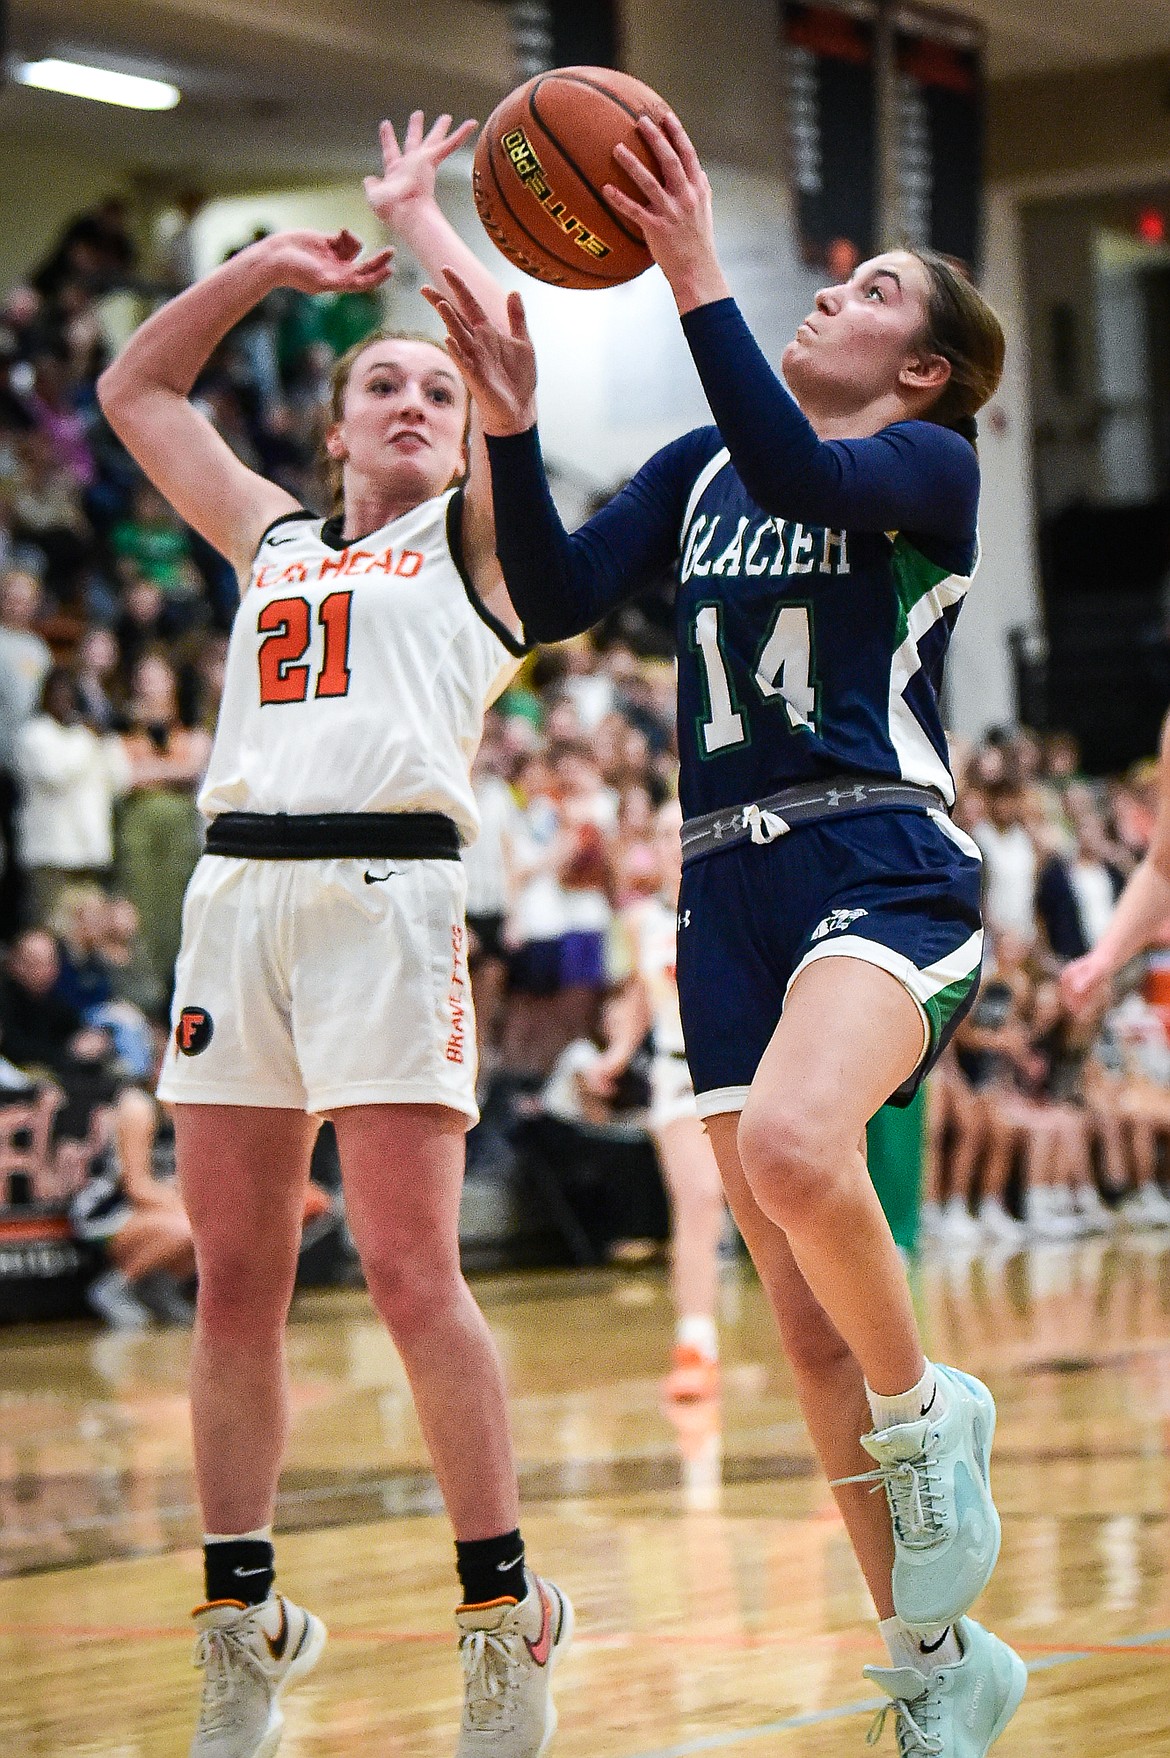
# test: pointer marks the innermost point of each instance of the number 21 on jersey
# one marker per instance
(287, 624)
(784, 671)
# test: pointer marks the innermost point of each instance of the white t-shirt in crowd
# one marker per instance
(71, 778)
(1093, 890)
(24, 663)
(1009, 871)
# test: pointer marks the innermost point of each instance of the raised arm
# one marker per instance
(560, 584)
(1143, 909)
(145, 393)
(912, 476)
(404, 199)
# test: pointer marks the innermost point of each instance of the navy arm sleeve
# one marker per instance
(560, 583)
(913, 476)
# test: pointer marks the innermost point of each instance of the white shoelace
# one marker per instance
(913, 1493)
(913, 1740)
(488, 1667)
(223, 1658)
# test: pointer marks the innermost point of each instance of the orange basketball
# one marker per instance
(540, 164)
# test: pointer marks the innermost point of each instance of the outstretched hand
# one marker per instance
(408, 171)
(323, 262)
(499, 366)
(675, 215)
(1085, 984)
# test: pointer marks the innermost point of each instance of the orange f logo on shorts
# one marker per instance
(194, 1030)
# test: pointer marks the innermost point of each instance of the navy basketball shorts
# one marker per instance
(899, 889)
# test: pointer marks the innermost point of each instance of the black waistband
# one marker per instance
(762, 821)
(321, 836)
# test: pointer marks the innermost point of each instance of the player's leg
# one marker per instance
(402, 1169)
(691, 1177)
(963, 1674)
(849, 1036)
(829, 1381)
(242, 1174)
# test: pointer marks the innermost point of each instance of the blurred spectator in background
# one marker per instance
(159, 829)
(139, 1223)
(24, 656)
(1009, 861)
(156, 545)
(97, 663)
(70, 778)
(86, 927)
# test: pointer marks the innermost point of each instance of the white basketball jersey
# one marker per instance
(358, 674)
(653, 930)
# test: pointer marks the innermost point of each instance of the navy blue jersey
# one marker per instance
(805, 651)
(818, 581)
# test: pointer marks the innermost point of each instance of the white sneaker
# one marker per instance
(508, 1651)
(998, 1225)
(930, 1221)
(1045, 1220)
(1146, 1207)
(246, 1667)
(112, 1298)
(959, 1226)
(1094, 1214)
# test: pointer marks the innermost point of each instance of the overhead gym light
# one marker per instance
(79, 81)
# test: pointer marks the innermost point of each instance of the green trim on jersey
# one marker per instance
(914, 576)
(940, 1007)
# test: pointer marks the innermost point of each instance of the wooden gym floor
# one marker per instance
(718, 1605)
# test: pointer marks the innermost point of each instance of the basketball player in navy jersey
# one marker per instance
(323, 968)
(823, 537)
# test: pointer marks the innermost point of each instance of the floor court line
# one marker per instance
(870, 1705)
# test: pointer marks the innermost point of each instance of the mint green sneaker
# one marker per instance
(958, 1711)
(937, 1479)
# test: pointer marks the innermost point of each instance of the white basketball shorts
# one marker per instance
(311, 985)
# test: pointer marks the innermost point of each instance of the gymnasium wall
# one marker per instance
(41, 189)
(1079, 122)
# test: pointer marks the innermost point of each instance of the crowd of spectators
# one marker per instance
(1044, 1124)
(114, 620)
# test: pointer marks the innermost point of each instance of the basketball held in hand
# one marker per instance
(541, 162)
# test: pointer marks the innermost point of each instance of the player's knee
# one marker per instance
(788, 1158)
(242, 1290)
(410, 1293)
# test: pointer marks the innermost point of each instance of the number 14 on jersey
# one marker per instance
(784, 671)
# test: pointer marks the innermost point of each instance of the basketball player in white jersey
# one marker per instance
(323, 968)
(1142, 916)
(649, 1003)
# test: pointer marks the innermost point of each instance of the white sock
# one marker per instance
(695, 1330)
(263, 1533)
(924, 1650)
(926, 1396)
